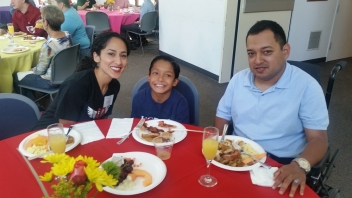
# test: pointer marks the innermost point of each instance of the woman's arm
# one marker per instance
(44, 60)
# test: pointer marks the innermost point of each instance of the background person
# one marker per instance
(74, 25)
(90, 93)
(59, 40)
(84, 4)
(160, 100)
(12, 9)
(146, 7)
(121, 4)
(277, 105)
(26, 14)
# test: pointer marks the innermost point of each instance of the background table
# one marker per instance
(184, 168)
(12, 63)
(5, 15)
(116, 19)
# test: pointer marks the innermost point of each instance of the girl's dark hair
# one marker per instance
(99, 44)
(175, 66)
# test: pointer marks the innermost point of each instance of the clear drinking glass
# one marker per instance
(210, 146)
(57, 139)
(11, 32)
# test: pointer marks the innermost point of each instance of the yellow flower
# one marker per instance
(90, 161)
(55, 158)
(99, 177)
(47, 177)
(64, 167)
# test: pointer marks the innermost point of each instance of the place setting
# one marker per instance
(235, 153)
(54, 139)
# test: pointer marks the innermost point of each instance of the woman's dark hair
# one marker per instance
(54, 16)
(279, 33)
(65, 2)
(175, 66)
(100, 43)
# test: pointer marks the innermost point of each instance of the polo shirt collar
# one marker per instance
(283, 82)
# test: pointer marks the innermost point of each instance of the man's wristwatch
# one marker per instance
(303, 164)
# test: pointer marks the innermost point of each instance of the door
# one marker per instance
(341, 37)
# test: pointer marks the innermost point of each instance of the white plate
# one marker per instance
(75, 134)
(179, 135)
(11, 50)
(255, 146)
(36, 39)
(16, 36)
(150, 163)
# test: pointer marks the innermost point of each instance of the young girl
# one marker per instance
(160, 100)
(91, 92)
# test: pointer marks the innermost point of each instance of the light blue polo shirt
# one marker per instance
(275, 118)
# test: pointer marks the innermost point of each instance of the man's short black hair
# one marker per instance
(26, 1)
(279, 33)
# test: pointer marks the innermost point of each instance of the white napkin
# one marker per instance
(90, 132)
(262, 176)
(119, 127)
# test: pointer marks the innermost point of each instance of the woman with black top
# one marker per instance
(90, 92)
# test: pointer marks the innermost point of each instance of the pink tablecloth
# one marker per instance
(116, 19)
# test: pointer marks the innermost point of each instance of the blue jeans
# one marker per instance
(36, 81)
(83, 53)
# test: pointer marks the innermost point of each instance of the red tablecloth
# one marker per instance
(116, 19)
(184, 168)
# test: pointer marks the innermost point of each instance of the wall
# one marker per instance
(341, 37)
(193, 31)
(307, 17)
(4, 3)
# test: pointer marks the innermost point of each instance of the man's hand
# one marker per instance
(290, 174)
(86, 4)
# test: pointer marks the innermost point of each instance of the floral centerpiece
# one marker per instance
(109, 4)
(75, 177)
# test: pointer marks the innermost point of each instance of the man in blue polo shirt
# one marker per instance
(277, 105)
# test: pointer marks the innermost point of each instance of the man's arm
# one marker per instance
(317, 145)
(219, 123)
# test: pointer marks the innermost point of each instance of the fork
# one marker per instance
(224, 133)
(238, 147)
(140, 123)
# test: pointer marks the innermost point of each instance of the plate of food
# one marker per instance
(30, 38)
(15, 49)
(139, 172)
(37, 143)
(19, 34)
(155, 128)
(227, 157)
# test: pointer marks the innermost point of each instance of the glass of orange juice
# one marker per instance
(210, 146)
(11, 32)
(57, 139)
(10, 28)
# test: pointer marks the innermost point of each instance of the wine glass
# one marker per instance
(210, 146)
(57, 139)
(11, 32)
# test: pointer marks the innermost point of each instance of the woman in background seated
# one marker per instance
(90, 93)
(74, 25)
(59, 40)
(121, 4)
